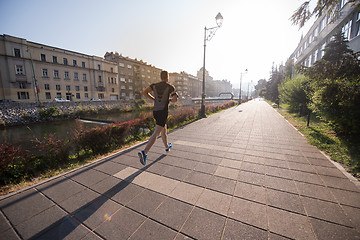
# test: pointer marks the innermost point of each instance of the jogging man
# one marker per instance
(161, 93)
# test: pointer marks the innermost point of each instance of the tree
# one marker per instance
(259, 86)
(293, 92)
(330, 7)
(334, 86)
(272, 92)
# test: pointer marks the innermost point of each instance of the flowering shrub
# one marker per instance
(53, 150)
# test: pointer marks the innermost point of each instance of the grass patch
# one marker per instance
(321, 135)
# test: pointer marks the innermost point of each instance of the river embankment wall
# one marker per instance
(18, 113)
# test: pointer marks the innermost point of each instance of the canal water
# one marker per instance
(24, 135)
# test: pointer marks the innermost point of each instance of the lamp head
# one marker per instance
(219, 19)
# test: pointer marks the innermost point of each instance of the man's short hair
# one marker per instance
(164, 75)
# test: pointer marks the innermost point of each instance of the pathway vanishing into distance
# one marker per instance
(243, 173)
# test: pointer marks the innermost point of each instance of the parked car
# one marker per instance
(95, 100)
(61, 100)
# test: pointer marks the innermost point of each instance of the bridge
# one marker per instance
(214, 99)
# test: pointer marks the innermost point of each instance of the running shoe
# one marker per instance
(168, 148)
(143, 157)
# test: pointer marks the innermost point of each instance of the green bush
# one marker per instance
(292, 91)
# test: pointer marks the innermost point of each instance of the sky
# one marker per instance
(168, 34)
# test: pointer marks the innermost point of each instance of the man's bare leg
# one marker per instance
(164, 136)
(152, 139)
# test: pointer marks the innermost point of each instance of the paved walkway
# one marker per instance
(244, 173)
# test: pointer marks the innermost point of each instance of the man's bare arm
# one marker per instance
(147, 93)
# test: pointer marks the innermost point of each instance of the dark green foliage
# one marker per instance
(334, 87)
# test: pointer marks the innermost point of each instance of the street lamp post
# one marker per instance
(208, 37)
(240, 85)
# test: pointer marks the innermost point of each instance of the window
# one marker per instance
(130, 87)
(101, 96)
(343, 3)
(19, 70)
(56, 74)
(48, 95)
(76, 76)
(86, 95)
(66, 75)
(129, 66)
(111, 70)
(99, 67)
(68, 88)
(322, 24)
(83, 64)
(84, 77)
(113, 90)
(65, 61)
(77, 88)
(54, 59)
(99, 78)
(77, 95)
(121, 64)
(347, 30)
(357, 26)
(22, 85)
(23, 95)
(17, 52)
(85, 88)
(58, 95)
(43, 57)
(122, 79)
(130, 81)
(47, 87)
(45, 72)
(58, 87)
(112, 80)
(123, 87)
(74, 63)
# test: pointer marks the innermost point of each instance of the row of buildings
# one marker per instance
(31, 72)
(346, 19)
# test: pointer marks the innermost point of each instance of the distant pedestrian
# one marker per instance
(161, 93)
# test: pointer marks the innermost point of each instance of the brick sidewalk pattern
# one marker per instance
(244, 173)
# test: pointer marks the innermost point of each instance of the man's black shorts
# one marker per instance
(161, 117)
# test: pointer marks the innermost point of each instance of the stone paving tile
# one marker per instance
(284, 200)
(306, 177)
(347, 197)
(79, 200)
(340, 183)
(248, 212)
(280, 184)
(4, 224)
(303, 167)
(205, 168)
(172, 213)
(254, 159)
(214, 201)
(60, 189)
(88, 177)
(153, 231)
(320, 162)
(37, 223)
(289, 224)
(9, 235)
(198, 178)
(110, 167)
(69, 228)
(278, 172)
(231, 163)
(106, 184)
(146, 202)
(325, 211)
(177, 173)
(326, 230)
(186, 192)
(203, 224)
(252, 178)
(210, 159)
(237, 230)
(97, 211)
(123, 192)
(273, 236)
(227, 172)
(121, 224)
(315, 191)
(353, 214)
(24, 205)
(221, 184)
(250, 192)
(159, 168)
(329, 171)
(276, 163)
(253, 167)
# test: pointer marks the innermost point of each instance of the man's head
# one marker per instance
(164, 76)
